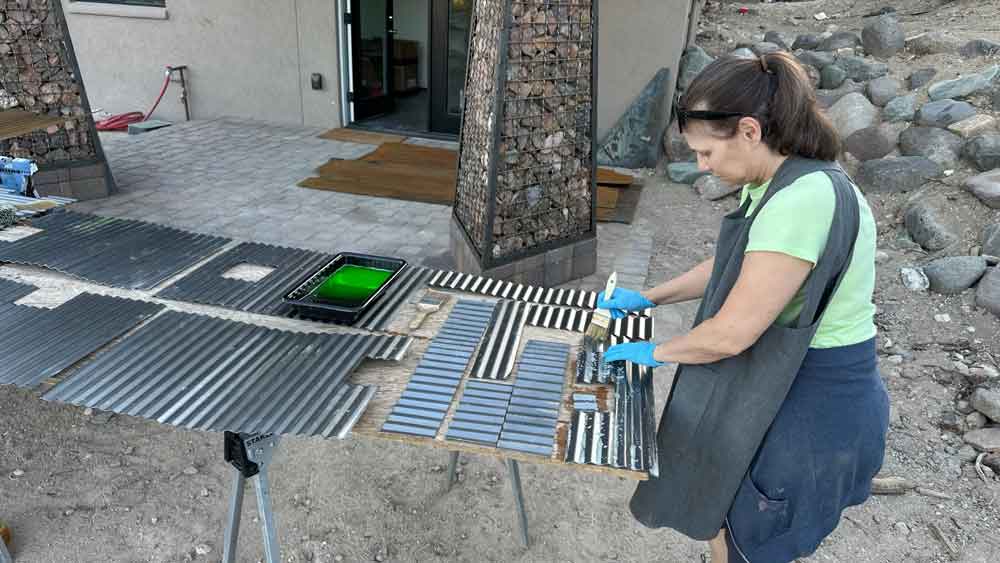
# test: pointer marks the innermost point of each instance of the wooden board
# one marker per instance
(16, 123)
(607, 197)
(358, 136)
(626, 208)
(394, 170)
(611, 178)
(392, 377)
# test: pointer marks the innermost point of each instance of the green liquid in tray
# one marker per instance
(351, 285)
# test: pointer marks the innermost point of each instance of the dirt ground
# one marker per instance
(89, 488)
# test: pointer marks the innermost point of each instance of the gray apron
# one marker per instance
(718, 414)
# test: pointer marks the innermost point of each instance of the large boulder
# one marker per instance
(861, 70)
(954, 274)
(932, 43)
(900, 109)
(634, 140)
(943, 113)
(883, 37)
(921, 77)
(676, 146)
(931, 223)
(938, 145)
(765, 47)
(988, 291)
(694, 61)
(743, 53)
(684, 172)
(851, 113)
(979, 48)
(712, 188)
(818, 59)
(974, 126)
(831, 77)
(807, 41)
(965, 85)
(776, 38)
(986, 402)
(984, 151)
(826, 98)
(902, 174)
(986, 187)
(883, 89)
(873, 142)
(839, 40)
(984, 439)
(991, 240)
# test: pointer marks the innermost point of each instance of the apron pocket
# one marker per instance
(757, 517)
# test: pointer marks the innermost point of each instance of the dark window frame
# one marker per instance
(149, 3)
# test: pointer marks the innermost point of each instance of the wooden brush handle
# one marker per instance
(609, 290)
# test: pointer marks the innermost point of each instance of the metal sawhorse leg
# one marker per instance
(250, 455)
(514, 474)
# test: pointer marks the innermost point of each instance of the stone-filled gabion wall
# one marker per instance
(37, 75)
(543, 174)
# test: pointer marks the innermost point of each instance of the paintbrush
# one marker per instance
(597, 332)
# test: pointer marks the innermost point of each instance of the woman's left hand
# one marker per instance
(635, 352)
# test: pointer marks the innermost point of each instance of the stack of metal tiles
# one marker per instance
(206, 373)
(481, 413)
(428, 395)
(530, 425)
(207, 286)
(623, 438)
(115, 252)
(41, 342)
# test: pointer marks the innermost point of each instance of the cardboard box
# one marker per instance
(405, 77)
(405, 51)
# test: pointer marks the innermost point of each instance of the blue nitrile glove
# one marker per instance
(622, 301)
(635, 352)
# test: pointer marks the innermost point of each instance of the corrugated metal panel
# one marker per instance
(471, 283)
(32, 206)
(207, 286)
(43, 342)
(11, 291)
(499, 349)
(213, 374)
(116, 252)
(563, 318)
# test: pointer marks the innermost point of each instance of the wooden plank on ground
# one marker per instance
(607, 197)
(609, 177)
(349, 135)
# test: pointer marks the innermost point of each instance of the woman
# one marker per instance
(777, 416)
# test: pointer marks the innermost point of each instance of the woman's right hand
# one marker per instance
(622, 301)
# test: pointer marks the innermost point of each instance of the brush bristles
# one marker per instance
(598, 329)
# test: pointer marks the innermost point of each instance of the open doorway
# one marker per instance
(407, 62)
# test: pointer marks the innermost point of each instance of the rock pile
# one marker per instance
(901, 133)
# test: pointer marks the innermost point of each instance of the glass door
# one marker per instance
(371, 44)
(450, 24)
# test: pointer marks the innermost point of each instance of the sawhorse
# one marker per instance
(250, 455)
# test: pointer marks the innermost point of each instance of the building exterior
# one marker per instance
(386, 64)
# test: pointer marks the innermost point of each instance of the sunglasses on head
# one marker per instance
(684, 114)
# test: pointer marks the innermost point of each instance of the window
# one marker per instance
(153, 3)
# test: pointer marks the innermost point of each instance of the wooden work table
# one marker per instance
(392, 378)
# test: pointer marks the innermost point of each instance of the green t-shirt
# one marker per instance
(796, 221)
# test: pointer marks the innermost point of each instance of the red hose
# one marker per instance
(121, 121)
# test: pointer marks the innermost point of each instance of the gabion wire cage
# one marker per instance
(526, 176)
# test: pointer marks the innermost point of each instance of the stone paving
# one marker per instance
(238, 178)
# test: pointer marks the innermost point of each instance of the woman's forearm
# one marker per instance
(685, 287)
(708, 342)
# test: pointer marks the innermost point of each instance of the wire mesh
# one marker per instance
(540, 167)
(37, 75)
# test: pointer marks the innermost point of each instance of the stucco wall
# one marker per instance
(637, 38)
(247, 58)
(253, 58)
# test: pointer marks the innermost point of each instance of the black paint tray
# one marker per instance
(309, 305)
